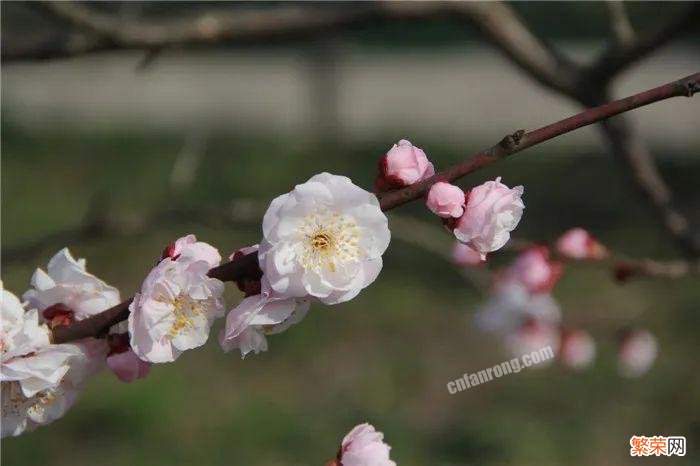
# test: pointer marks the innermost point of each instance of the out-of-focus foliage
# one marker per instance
(386, 356)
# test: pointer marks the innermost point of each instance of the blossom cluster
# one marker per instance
(322, 242)
(40, 380)
(521, 311)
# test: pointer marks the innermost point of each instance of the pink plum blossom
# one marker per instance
(445, 200)
(364, 446)
(493, 210)
(577, 243)
(636, 353)
(464, 256)
(403, 165)
(534, 270)
(577, 349)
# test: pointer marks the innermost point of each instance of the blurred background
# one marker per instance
(115, 154)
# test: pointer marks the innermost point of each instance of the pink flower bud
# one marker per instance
(122, 360)
(577, 349)
(577, 243)
(403, 165)
(534, 270)
(464, 256)
(636, 352)
(364, 446)
(493, 210)
(445, 200)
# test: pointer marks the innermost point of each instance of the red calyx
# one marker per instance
(58, 314)
(169, 251)
(386, 182)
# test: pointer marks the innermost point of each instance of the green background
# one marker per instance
(384, 357)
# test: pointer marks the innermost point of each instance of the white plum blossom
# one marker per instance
(67, 283)
(39, 380)
(177, 304)
(509, 306)
(27, 357)
(324, 239)
(493, 210)
(23, 412)
(364, 446)
(636, 353)
(260, 315)
(188, 248)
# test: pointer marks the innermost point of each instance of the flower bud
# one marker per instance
(577, 349)
(403, 165)
(445, 200)
(577, 243)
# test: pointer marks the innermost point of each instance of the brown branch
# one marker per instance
(520, 140)
(247, 266)
(591, 89)
(625, 270)
(95, 326)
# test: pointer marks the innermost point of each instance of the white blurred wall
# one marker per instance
(471, 93)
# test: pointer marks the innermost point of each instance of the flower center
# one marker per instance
(322, 241)
(186, 309)
(328, 239)
(14, 403)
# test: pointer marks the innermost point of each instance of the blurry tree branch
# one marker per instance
(620, 55)
(499, 23)
(247, 266)
(95, 31)
(620, 24)
(625, 270)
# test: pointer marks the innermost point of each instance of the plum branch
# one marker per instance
(247, 266)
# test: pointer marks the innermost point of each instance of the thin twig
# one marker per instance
(247, 266)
